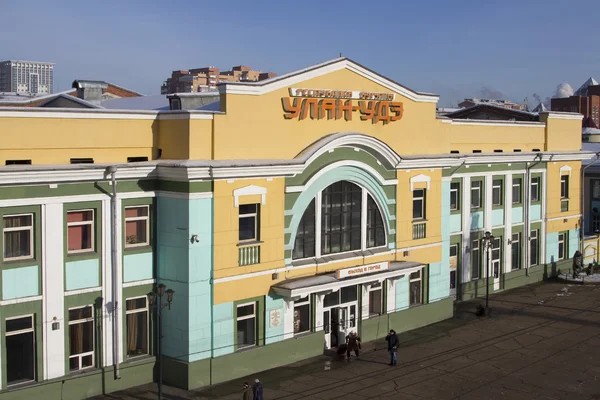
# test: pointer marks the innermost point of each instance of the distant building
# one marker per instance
(26, 77)
(585, 100)
(498, 103)
(207, 78)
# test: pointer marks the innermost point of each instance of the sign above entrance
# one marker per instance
(362, 270)
(338, 104)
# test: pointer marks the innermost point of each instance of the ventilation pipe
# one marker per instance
(112, 170)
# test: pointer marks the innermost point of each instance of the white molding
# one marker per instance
(521, 124)
(420, 179)
(565, 170)
(466, 229)
(563, 115)
(72, 199)
(250, 190)
(20, 300)
(185, 196)
(187, 116)
(101, 113)
(566, 217)
(423, 246)
(352, 163)
(67, 173)
(139, 283)
(83, 291)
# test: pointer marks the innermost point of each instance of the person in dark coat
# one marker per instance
(245, 391)
(393, 344)
(257, 390)
(353, 341)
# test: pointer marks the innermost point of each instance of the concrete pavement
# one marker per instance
(541, 342)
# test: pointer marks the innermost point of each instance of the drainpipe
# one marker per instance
(114, 257)
(582, 209)
(526, 202)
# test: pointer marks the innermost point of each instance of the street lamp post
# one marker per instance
(156, 299)
(487, 240)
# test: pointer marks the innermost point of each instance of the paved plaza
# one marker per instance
(541, 342)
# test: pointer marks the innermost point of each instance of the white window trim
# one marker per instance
(299, 304)
(493, 260)
(133, 219)
(535, 181)
(478, 188)
(80, 321)
(420, 179)
(146, 309)
(17, 229)
(534, 235)
(250, 215)
(33, 347)
(363, 227)
(457, 191)
(478, 249)
(517, 182)
(420, 280)
(82, 223)
(566, 180)
(513, 241)
(245, 317)
(558, 257)
(250, 191)
(378, 288)
(497, 186)
(423, 207)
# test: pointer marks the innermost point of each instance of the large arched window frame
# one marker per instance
(325, 228)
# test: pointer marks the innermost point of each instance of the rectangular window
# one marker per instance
(375, 299)
(246, 325)
(415, 288)
(535, 189)
(455, 196)
(476, 194)
(18, 162)
(533, 248)
(137, 226)
(497, 192)
(82, 160)
(375, 227)
(136, 159)
(453, 265)
(302, 315)
(496, 253)
(20, 350)
(516, 191)
(562, 246)
(18, 237)
(515, 246)
(248, 222)
(80, 231)
(81, 338)
(419, 204)
(475, 259)
(137, 327)
(564, 187)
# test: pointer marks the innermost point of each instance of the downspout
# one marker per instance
(582, 209)
(527, 200)
(114, 258)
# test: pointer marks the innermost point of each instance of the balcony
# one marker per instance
(248, 254)
(419, 230)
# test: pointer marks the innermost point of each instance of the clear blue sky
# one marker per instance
(456, 49)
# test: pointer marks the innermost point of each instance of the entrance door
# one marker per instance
(453, 272)
(339, 322)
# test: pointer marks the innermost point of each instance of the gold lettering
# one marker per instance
(397, 108)
(292, 109)
(343, 107)
(328, 106)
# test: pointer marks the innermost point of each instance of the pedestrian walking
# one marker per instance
(245, 391)
(353, 342)
(393, 344)
(257, 390)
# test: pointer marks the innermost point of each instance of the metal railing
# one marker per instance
(249, 255)
(419, 230)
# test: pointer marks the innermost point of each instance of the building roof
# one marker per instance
(154, 102)
(497, 112)
(590, 131)
(22, 99)
(582, 91)
(28, 62)
(540, 108)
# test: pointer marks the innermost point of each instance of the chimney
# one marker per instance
(90, 90)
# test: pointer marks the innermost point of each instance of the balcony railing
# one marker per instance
(249, 255)
(419, 230)
(564, 205)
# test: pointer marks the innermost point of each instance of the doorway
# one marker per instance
(339, 322)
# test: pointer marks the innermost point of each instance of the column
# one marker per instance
(466, 229)
(508, 223)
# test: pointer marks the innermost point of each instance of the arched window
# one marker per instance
(333, 222)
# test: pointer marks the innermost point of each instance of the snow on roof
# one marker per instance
(591, 131)
(540, 108)
(154, 102)
(582, 91)
(13, 97)
(215, 106)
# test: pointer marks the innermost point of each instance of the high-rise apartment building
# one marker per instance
(207, 78)
(26, 77)
(585, 100)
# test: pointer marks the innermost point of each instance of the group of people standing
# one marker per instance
(256, 390)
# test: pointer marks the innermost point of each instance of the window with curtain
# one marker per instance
(302, 315)
(18, 237)
(416, 288)
(137, 327)
(81, 338)
(137, 226)
(80, 231)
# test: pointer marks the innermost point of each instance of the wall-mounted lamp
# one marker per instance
(195, 239)
(406, 253)
(275, 275)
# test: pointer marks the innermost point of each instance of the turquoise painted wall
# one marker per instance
(535, 212)
(439, 281)
(137, 267)
(573, 242)
(455, 223)
(223, 329)
(551, 247)
(82, 274)
(274, 334)
(517, 215)
(476, 220)
(186, 267)
(402, 300)
(20, 282)
(498, 217)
